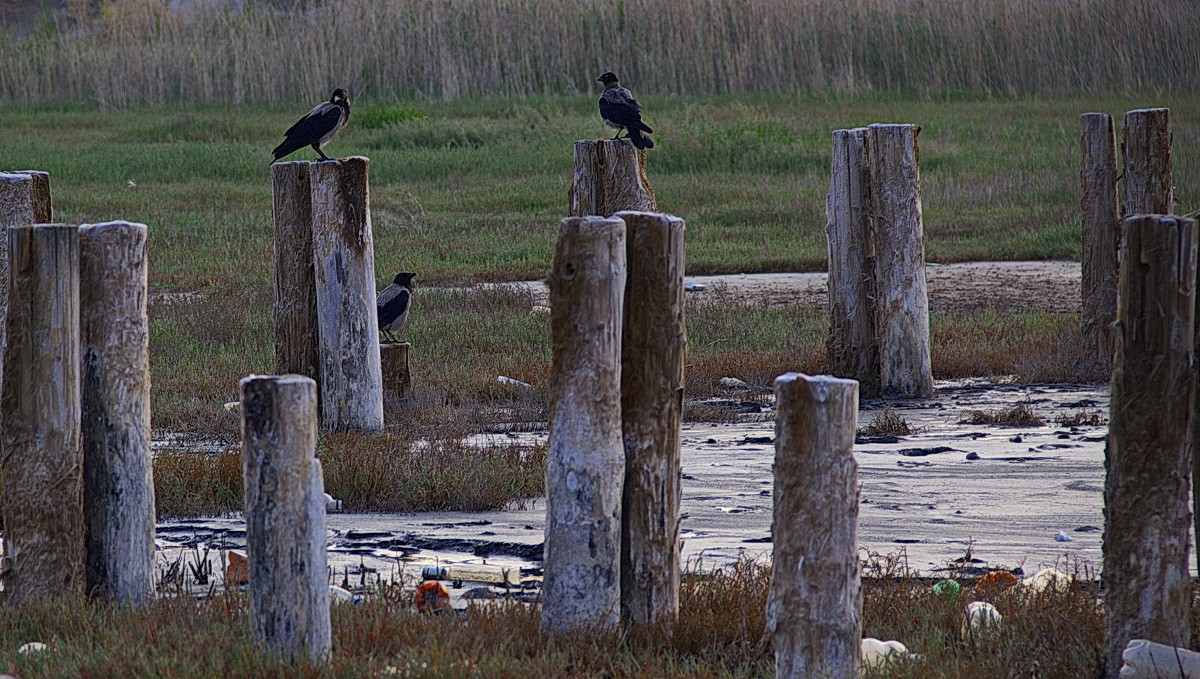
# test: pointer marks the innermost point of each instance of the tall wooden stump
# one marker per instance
(586, 465)
(902, 302)
(653, 345)
(814, 612)
(285, 517)
(41, 474)
(397, 375)
(24, 200)
(1101, 233)
(344, 257)
(296, 341)
(1147, 589)
(609, 176)
(1146, 146)
(851, 349)
(118, 492)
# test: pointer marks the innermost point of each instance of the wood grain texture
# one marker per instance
(1148, 590)
(41, 469)
(1101, 233)
(24, 200)
(609, 175)
(814, 611)
(285, 517)
(653, 350)
(295, 312)
(585, 469)
(344, 257)
(397, 378)
(902, 301)
(118, 495)
(1146, 147)
(851, 350)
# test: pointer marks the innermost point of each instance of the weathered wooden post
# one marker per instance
(296, 341)
(1146, 146)
(118, 482)
(609, 176)
(344, 257)
(653, 344)
(851, 350)
(902, 302)
(586, 466)
(814, 612)
(24, 200)
(397, 375)
(41, 473)
(1101, 233)
(1148, 591)
(285, 517)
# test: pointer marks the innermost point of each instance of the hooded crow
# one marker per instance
(620, 111)
(393, 304)
(317, 126)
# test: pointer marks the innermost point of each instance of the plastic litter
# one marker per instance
(516, 383)
(875, 652)
(505, 575)
(1048, 578)
(431, 596)
(32, 647)
(979, 619)
(1145, 659)
(947, 586)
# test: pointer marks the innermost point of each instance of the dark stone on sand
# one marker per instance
(922, 452)
(972, 456)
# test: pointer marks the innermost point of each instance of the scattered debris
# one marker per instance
(887, 423)
(973, 456)
(516, 383)
(1048, 579)
(922, 452)
(732, 383)
(237, 568)
(998, 579)
(431, 597)
(875, 652)
(1062, 537)
(342, 595)
(332, 504)
(695, 287)
(539, 310)
(33, 647)
(979, 619)
(1020, 415)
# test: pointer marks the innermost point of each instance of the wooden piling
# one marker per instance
(609, 175)
(814, 612)
(344, 257)
(118, 490)
(295, 312)
(24, 200)
(1101, 233)
(1148, 591)
(285, 517)
(902, 301)
(397, 375)
(851, 350)
(585, 469)
(653, 346)
(41, 469)
(1146, 147)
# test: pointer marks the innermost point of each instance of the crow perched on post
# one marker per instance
(620, 111)
(316, 127)
(393, 304)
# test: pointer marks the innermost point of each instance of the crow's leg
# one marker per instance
(317, 148)
(618, 134)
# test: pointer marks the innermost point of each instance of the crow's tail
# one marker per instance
(288, 146)
(640, 140)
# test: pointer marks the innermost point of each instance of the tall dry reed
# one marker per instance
(139, 52)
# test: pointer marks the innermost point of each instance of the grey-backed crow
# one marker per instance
(317, 126)
(393, 304)
(620, 111)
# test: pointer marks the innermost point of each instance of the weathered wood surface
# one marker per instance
(1146, 147)
(814, 612)
(653, 347)
(41, 468)
(118, 493)
(344, 255)
(1147, 513)
(851, 350)
(1101, 233)
(609, 176)
(295, 311)
(585, 469)
(397, 376)
(285, 517)
(902, 301)
(24, 200)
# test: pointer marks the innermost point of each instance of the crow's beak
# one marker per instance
(599, 80)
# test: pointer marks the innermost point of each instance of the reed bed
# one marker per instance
(131, 52)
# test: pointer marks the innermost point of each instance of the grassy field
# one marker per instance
(467, 192)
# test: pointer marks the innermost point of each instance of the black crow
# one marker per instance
(621, 111)
(316, 127)
(393, 305)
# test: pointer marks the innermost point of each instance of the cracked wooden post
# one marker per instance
(41, 473)
(118, 490)
(585, 469)
(285, 517)
(653, 346)
(397, 376)
(24, 200)
(1146, 147)
(609, 176)
(1101, 233)
(902, 301)
(851, 350)
(814, 612)
(1148, 592)
(295, 311)
(344, 257)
